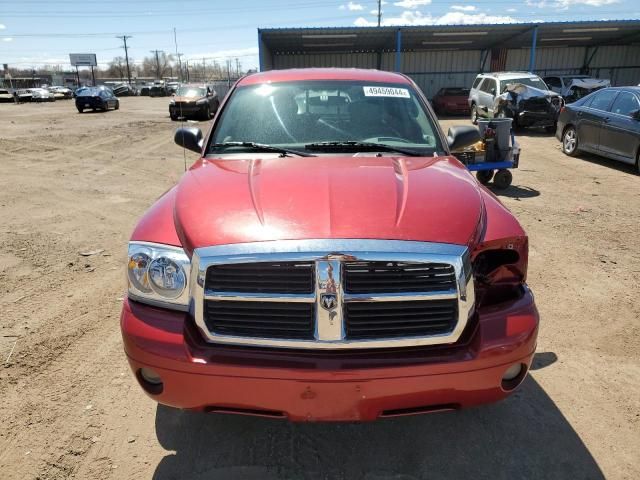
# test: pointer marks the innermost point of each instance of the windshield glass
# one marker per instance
(295, 114)
(530, 81)
(191, 92)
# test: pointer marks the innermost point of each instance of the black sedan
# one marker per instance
(96, 98)
(606, 123)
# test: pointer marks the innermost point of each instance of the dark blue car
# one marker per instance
(96, 98)
(606, 122)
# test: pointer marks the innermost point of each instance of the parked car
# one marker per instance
(328, 260)
(194, 101)
(172, 87)
(574, 87)
(606, 123)
(96, 98)
(24, 95)
(452, 100)
(42, 95)
(123, 90)
(6, 95)
(61, 93)
(519, 95)
(158, 89)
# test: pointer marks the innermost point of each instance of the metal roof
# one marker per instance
(450, 37)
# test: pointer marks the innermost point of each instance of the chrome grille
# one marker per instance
(383, 277)
(399, 319)
(332, 294)
(258, 319)
(264, 277)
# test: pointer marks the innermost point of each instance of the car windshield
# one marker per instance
(296, 114)
(535, 82)
(191, 92)
(88, 92)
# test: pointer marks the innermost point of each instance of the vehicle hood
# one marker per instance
(258, 199)
(587, 84)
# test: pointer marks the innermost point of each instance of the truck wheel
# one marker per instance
(117, 107)
(474, 115)
(484, 176)
(80, 109)
(173, 117)
(570, 142)
(207, 113)
(502, 179)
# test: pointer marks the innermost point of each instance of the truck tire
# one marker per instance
(80, 109)
(474, 114)
(484, 176)
(502, 179)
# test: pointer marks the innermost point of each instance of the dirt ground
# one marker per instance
(70, 408)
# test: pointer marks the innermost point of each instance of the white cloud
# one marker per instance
(7, 39)
(412, 3)
(2, 27)
(463, 8)
(511, 10)
(352, 7)
(565, 4)
(452, 18)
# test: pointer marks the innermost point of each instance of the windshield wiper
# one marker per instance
(359, 146)
(262, 147)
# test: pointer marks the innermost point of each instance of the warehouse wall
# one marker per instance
(433, 70)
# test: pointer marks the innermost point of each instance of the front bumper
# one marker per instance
(329, 386)
(186, 110)
(528, 118)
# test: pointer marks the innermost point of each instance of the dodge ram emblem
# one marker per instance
(329, 301)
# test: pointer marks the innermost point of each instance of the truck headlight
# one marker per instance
(158, 275)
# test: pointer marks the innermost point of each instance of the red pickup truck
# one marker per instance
(327, 259)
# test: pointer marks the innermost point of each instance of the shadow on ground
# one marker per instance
(606, 162)
(515, 191)
(525, 436)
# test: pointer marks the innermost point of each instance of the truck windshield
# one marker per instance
(297, 114)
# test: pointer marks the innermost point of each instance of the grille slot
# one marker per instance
(395, 277)
(260, 319)
(375, 320)
(264, 277)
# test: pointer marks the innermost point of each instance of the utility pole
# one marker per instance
(237, 68)
(179, 55)
(379, 11)
(228, 73)
(126, 55)
(158, 73)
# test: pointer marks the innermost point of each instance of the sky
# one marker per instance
(39, 32)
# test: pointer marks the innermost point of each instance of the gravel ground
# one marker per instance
(70, 408)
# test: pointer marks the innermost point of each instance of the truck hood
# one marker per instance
(257, 199)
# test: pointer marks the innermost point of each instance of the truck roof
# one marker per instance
(301, 74)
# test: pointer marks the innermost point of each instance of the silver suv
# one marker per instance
(488, 86)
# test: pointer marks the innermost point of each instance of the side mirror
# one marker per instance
(635, 115)
(462, 136)
(189, 138)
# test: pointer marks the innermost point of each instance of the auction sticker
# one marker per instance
(386, 92)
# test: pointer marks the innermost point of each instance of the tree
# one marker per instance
(118, 68)
(158, 65)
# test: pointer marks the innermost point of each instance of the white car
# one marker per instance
(42, 95)
(574, 87)
(61, 92)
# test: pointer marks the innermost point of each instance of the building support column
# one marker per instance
(398, 50)
(532, 57)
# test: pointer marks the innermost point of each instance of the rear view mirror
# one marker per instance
(189, 138)
(462, 136)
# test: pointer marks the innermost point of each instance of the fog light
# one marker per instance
(150, 376)
(512, 372)
(150, 381)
